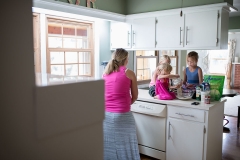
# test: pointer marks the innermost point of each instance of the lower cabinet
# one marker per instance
(185, 140)
(193, 133)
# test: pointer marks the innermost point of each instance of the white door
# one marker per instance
(201, 29)
(143, 33)
(170, 31)
(120, 35)
(184, 140)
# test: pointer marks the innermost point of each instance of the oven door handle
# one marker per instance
(169, 134)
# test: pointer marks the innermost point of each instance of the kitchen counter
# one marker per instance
(144, 96)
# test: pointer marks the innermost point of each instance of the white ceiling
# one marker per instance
(236, 4)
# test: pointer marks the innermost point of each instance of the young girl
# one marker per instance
(162, 84)
(193, 75)
(163, 59)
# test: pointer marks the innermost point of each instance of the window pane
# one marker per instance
(72, 70)
(218, 66)
(82, 32)
(173, 62)
(84, 69)
(173, 70)
(145, 68)
(57, 69)
(139, 75)
(55, 29)
(69, 43)
(71, 57)
(54, 42)
(139, 63)
(69, 30)
(56, 57)
(84, 57)
(82, 43)
(146, 74)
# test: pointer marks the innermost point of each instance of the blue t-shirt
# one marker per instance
(192, 77)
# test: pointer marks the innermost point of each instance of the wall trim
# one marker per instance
(79, 10)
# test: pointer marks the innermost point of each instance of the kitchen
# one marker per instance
(24, 116)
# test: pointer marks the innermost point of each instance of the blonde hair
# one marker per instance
(164, 58)
(167, 67)
(119, 56)
(193, 55)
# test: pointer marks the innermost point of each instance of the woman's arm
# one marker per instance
(200, 75)
(134, 90)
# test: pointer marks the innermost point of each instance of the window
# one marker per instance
(218, 61)
(146, 62)
(69, 48)
(174, 59)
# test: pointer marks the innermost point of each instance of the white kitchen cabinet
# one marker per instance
(120, 35)
(205, 29)
(194, 134)
(201, 29)
(134, 34)
(170, 31)
(143, 33)
(187, 133)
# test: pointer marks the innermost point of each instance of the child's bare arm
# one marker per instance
(168, 76)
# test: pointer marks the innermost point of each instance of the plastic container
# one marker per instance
(198, 93)
(203, 94)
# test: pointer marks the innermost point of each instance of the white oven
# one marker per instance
(150, 119)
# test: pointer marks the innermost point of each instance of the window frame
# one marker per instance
(139, 82)
(36, 43)
(68, 22)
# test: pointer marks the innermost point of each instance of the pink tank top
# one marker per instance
(117, 91)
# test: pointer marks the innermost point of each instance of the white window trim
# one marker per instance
(43, 13)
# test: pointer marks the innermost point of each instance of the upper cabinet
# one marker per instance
(200, 27)
(135, 34)
(170, 31)
(121, 35)
(143, 33)
(194, 30)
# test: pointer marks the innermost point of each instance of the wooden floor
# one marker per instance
(231, 142)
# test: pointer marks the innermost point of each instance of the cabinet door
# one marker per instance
(170, 31)
(201, 29)
(184, 140)
(120, 35)
(143, 33)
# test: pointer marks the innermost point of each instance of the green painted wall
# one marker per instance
(234, 22)
(117, 6)
(141, 6)
(104, 41)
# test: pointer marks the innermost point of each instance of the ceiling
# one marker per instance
(236, 4)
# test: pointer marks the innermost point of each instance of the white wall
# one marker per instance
(20, 136)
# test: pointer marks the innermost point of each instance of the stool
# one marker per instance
(238, 121)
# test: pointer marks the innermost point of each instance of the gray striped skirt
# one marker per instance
(120, 138)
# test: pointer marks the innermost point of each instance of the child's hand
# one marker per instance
(177, 76)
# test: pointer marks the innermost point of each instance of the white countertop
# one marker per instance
(144, 96)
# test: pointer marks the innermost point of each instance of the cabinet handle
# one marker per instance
(188, 115)
(128, 38)
(186, 35)
(180, 35)
(169, 135)
(134, 38)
